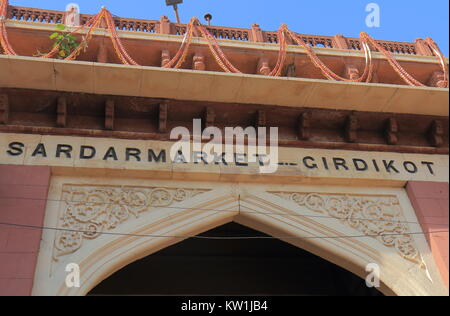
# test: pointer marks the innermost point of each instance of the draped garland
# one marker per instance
(105, 18)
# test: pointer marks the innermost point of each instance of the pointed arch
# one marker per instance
(257, 209)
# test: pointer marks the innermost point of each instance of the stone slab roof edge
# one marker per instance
(155, 82)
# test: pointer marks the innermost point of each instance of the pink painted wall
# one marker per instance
(23, 193)
(430, 201)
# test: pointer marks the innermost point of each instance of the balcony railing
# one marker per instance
(254, 34)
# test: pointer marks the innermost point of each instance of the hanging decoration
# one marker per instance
(104, 19)
(4, 42)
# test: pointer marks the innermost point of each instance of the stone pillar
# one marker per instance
(257, 34)
(340, 42)
(430, 201)
(422, 48)
(23, 194)
(164, 25)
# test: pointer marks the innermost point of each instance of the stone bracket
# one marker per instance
(199, 61)
(351, 129)
(61, 112)
(291, 71)
(165, 57)
(391, 131)
(261, 119)
(163, 117)
(263, 66)
(436, 134)
(210, 117)
(304, 124)
(437, 79)
(4, 109)
(109, 114)
(351, 72)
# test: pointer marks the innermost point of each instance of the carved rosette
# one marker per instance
(88, 211)
(377, 216)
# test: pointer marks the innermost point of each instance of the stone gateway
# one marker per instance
(158, 158)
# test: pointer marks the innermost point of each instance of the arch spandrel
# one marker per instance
(255, 206)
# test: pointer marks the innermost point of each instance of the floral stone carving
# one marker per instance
(89, 211)
(377, 216)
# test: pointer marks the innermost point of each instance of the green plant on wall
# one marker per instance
(66, 42)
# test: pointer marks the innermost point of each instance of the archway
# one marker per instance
(183, 209)
(233, 267)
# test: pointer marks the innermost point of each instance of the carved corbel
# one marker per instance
(61, 112)
(199, 62)
(351, 129)
(263, 66)
(165, 57)
(4, 109)
(391, 131)
(437, 79)
(436, 134)
(304, 124)
(210, 117)
(261, 120)
(162, 118)
(351, 72)
(291, 71)
(109, 114)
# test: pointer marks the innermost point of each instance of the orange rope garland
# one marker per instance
(179, 58)
(93, 24)
(435, 48)
(215, 49)
(283, 52)
(218, 54)
(4, 42)
(409, 79)
(327, 72)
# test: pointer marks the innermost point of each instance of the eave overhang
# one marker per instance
(155, 82)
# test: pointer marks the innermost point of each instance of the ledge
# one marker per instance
(155, 82)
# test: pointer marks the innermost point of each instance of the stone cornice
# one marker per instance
(154, 82)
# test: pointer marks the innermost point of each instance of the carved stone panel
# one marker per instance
(374, 216)
(89, 211)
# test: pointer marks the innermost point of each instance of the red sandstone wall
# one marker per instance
(23, 193)
(431, 203)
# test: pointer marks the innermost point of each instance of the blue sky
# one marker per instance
(401, 20)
